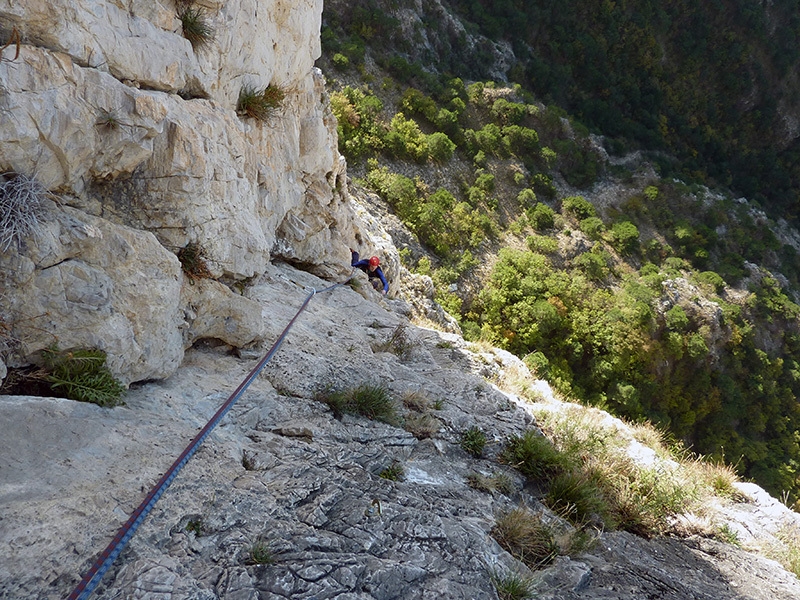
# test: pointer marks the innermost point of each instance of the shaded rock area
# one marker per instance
(282, 472)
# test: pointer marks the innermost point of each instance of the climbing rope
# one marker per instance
(106, 559)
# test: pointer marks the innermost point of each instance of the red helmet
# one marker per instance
(374, 261)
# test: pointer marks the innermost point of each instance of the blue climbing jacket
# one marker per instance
(364, 266)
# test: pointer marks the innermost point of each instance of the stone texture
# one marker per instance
(71, 473)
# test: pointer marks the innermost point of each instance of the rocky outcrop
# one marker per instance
(130, 128)
(280, 470)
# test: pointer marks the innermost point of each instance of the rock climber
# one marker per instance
(372, 268)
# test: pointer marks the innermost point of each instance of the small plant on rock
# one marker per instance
(193, 262)
(196, 27)
(511, 586)
(371, 401)
(260, 104)
(260, 553)
(393, 472)
(473, 441)
(21, 209)
(83, 376)
(526, 537)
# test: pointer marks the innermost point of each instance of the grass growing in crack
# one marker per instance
(526, 537)
(108, 120)
(398, 342)
(83, 376)
(21, 209)
(260, 104)
(367, 400)
(422, 426)
(196, 27)
(473, 441)
(193, 262)
(511, 586)
(394, 472)
(260, 553)
(195, 526)
(499, 482)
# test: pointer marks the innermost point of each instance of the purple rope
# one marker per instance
(107, 557)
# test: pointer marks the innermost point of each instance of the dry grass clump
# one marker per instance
(21, 208)
(526, 537)
(193, 262)
(497, 482)
(584, 461)
(422, 426)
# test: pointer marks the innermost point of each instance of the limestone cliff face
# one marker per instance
(135, 135)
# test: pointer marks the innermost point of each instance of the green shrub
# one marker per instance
(340, 61)
(624, 237)
(440, 147)
(405, 139)
(578, 206)
(359, 126)
(473, 441)
(593, 227)
(83, 376)
(260, 104)
(542, 217)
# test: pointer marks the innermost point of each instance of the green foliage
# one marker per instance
(82, 375)
(512, 586)
(260, 104)
(542, 217)
(533, 455)
(578, 206)
(361, 132)
(440, 147)
(260, 553)
(473, 441)
(593, 227)
(367, 400)
(394, 472)
(624, 237)
(405, 139)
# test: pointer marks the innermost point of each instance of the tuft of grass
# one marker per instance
(196, 27)
(473, 441)
(249, 461)
(367, 400)
(725, 533)
(260, 104)
(526, 537)
(534, 455)
(499, 482)
(415, 400)
(398, 343)
(576, 497)
(511, 586)
(195, 526)
(260, 553)
(422, 426)
(394, 472)
(83, 376)
(108, 120)
(21, 208)
(193, 262)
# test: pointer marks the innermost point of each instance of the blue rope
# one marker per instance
(106, 559)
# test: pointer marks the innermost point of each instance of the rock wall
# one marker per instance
(135, 135)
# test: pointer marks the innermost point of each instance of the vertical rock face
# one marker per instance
(129, 127)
